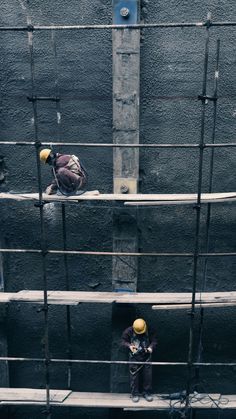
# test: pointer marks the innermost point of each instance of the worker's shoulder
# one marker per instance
(128, 330)
(63, 158)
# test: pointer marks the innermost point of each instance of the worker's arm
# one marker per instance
(153, 341)
(51, 189)
(126, 340)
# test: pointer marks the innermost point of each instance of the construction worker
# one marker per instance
(141, 343)
(69, 175)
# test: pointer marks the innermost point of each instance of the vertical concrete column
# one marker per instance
(126, 82)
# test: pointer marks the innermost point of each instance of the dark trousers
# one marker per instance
(140, 376)
(68, 181)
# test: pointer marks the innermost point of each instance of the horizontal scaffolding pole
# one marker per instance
(98, 361)
(108, 145)
(136, 254)
(31, 28)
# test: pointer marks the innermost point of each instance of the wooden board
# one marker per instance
(64, 398)
(5, 297)
(136, 198)
(159, 300)
(188, 306)
(30, 394)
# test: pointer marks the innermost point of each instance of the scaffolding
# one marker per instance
(49, 397)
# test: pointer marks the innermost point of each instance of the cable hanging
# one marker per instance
(198, 215)
(208, 216)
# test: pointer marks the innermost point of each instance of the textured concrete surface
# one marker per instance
(171, 79)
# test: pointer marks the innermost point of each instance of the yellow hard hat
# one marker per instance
(44, 154)
(139, 326)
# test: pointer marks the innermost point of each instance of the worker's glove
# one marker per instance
(149, 349)
(50, 190)
(133, 349)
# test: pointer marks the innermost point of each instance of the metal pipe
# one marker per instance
(127, 26)
(68, 314)
(97, 253)
(94, 361)
(208, 217)
(198, 214)
(108, 145)
(42, 225)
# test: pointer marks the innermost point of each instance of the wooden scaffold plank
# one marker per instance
(135, 199)
(160, 301)
(67, 398)
(8, 395)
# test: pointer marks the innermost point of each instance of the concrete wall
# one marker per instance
(171, 79)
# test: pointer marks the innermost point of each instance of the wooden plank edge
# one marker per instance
(188, 306)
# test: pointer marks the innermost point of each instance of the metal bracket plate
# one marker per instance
(125, 185)
(125, 12)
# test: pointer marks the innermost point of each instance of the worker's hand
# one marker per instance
(149, 349)
(49, 190)
(133, 348)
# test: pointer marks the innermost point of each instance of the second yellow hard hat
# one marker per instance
(139, 326)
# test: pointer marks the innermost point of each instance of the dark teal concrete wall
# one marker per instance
(171, 79)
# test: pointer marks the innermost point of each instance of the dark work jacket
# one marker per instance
(142, 341)
(73, 181)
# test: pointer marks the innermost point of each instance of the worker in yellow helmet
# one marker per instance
(69, 174)
(141, 343)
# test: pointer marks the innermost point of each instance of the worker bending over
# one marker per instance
(141, 343)
(69, 175)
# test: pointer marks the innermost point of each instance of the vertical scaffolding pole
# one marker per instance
(68, 314)
(204, 100)
(4, 371)
(56, 84)
(42, 224)
(209, 206)
(63, 212)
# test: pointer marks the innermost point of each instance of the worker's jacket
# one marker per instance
(141, 342)
(69, 175)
